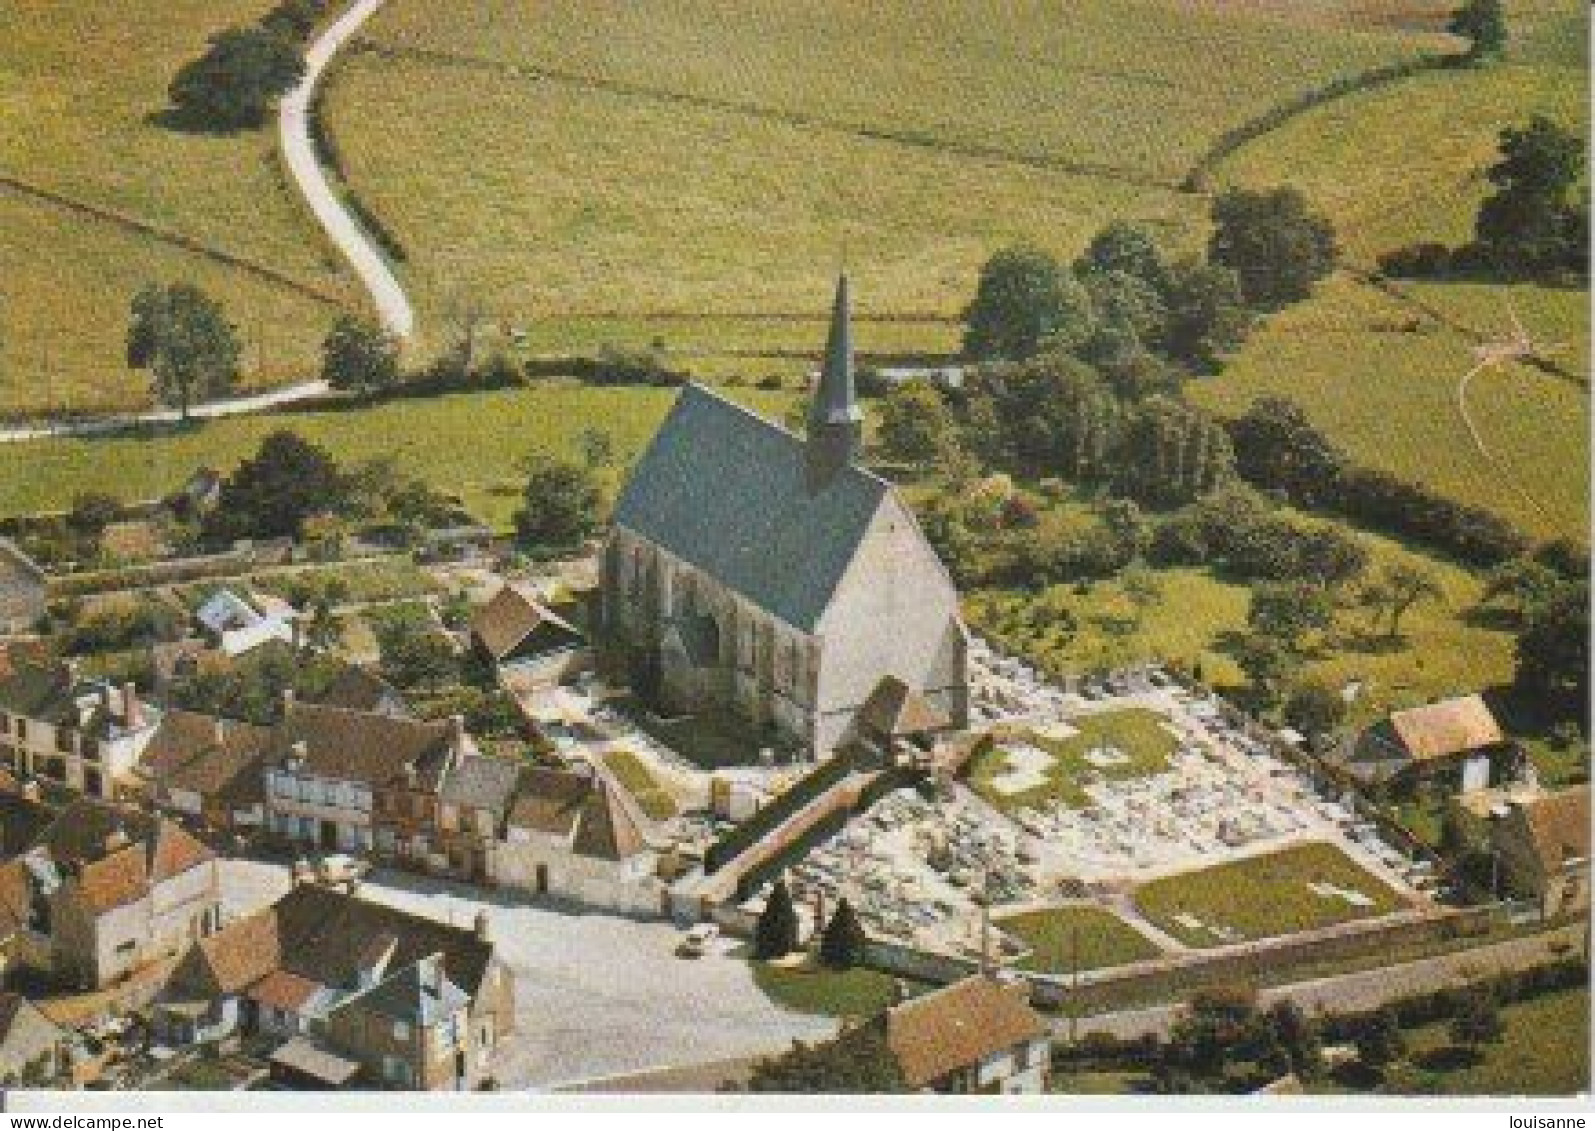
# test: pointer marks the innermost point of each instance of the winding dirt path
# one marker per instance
(299, 153)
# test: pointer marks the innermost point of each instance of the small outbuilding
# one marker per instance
(1455, 741)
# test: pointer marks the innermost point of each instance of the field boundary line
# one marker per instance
(143, 227)
(1233, 140)
(533, 71)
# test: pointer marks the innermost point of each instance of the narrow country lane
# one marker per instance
(299, 151)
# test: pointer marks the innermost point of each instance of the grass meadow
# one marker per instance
(1139, 735)
(80, 84)
(467, 443)
(1400, 164)
(632, 164)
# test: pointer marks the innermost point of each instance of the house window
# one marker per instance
(126, 946)
(401, 1031)
(1021, 1057)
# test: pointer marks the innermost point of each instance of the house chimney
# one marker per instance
(219, 725)
(115, 839)
(457, 733)
(30, 790)
(298, 753)
(132, 709)
(482, 925)
(303, 873)
(287, 701)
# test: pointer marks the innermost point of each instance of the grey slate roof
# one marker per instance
(420, 994)
(726, 491)
(481, 782)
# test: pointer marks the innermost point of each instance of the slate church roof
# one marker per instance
(727, 491)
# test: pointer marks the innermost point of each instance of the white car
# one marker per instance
(697, 940)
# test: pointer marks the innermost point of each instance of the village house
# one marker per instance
(235, 625)
(23, 589)
(473, 805)
(1456, 743)
(767, 573)
(358, 688)
(525, 641)
(1542, 844)
(976, 1036)
(98, 892)
(351, 994)
(571, 836)
(208, 769)
(361, 781)
(83, 734)
(33, 1049)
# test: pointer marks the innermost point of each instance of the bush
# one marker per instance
(233, 85)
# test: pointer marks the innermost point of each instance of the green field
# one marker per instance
(1140, 735)
(1404, 163)
(1263, 896)
(1544, 1052)
(1066, 939)
(467, 443)
(1388, 395)
(79, 83)
(637, 167)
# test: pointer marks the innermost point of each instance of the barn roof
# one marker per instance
(1452, 726)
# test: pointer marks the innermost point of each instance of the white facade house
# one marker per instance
(86, 735)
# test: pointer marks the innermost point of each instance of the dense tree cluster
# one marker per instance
(560, 505)
(858, 1062)
(1141, 319)
(1277, 246)
(1533, 224)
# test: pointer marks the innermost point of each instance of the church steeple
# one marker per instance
(836, 423)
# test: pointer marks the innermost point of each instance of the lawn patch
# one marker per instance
(1028, 768)
(639, 781)
(1102, 939)
(812, 988)
(1282, 893)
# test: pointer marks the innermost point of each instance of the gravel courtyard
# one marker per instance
(596, 995)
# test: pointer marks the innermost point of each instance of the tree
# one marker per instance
(776, 933)
(1379, 1040)
(91, 513)
(1536, 221)
(859, 1062)
(1523, 584)
(360, 356)
(1552, 650)
(1173, 452)
(1286, 611)
(1125, 247)
(916, 426)
(1315, 709)
(1024, 303)
(1277, 448)
(560, 505)
(1207, 315)
(182, 337)
(272, 493)
(414, 653)
(1264, 661)
(294, 19)
(843, 944)
(1273, 243)
(597, 448)
(1297, 1038)
(235, 82)
(1398, 587)
(1050, 415)
(1477, 1020)
(1483, 24)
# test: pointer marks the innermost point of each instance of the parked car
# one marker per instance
(697, 941)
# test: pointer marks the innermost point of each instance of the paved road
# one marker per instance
(596, 995)
(293, 117)
(232, 406)
(1363, 990)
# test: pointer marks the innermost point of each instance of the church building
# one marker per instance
(753, 569)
